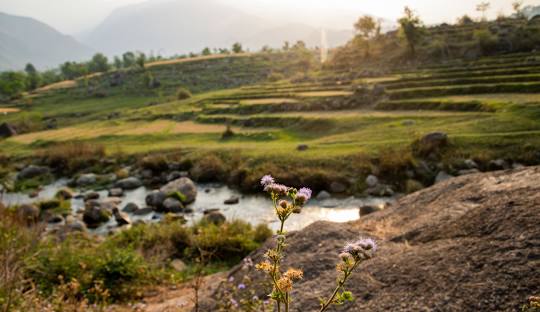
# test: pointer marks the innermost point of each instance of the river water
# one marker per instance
(254, 209)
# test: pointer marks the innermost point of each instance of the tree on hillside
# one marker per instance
(141, 59)
(223, 51)
(483, 7)
(465, 20)
(98, 63)
(286, 46)
(206, 51)
(118, 64)
(12, 84)
(128, 59)
(237, 48)
(366, 27)
(33, 77)
(72, 70)
(410, 28)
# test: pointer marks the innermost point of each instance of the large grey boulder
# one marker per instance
(32, 171)
(173, 205)
(183, 185)
(130, 183)
(433, 141)
(130, 207)
(155, 199)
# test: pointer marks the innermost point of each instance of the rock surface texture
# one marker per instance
(471, 243)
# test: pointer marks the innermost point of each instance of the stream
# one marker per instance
(255, 209)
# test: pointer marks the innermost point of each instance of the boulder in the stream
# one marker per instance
(130, 183)
(184, 186)
(121, 217)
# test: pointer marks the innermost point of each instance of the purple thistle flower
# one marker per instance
(306, 191)
(234, 302)
(367, 244)
(231, 279)
(242, 286)
(266, 180)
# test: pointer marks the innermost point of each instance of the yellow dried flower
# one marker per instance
(284, 284)
(264, 266)
(294, 274)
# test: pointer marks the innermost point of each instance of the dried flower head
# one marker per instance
(266, 180)
(276, 189)
(264, 266)
(294, 274)
(284, 284)
(361, 249)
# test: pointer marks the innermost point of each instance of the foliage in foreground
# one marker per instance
(82, 271)
(287, 201)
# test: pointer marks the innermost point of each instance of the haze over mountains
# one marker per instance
(165, 28)
(24, 40)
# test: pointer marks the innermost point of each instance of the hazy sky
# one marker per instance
(74, 16)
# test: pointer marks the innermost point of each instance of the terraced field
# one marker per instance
(487, 107)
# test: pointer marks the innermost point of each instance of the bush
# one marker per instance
(73, 156)
(83, 260)
(209, 168)
(486, 41)
(183, 94)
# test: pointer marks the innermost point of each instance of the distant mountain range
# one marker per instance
(164, 27)
(182, 26)
(24, 40)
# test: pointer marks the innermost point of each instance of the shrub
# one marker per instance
(88, 263)
(208, 168)
(156, 163)
(228, 133)
(183, 94)
(487, 41)
(73, 156)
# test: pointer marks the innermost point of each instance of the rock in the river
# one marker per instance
(91, 195)
(130, 183)
(121, 217)
(28, 213)
(174, 175)
(323, 195)
(95, 214)
(143, 211)
(470, 164)
(372, 180)
(442, 176)
(155, 199)
(233, 200)
(64, 193)
(184, 186)
(173, 205)
(74, 225)
(32, 171)
(130, 208)
(116, 192)
(86, 179)
(215, 217)
(498, 164)
(380, 190)
(337, 187)
(367, 209)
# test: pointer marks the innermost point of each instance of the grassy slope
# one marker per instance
(151, 119)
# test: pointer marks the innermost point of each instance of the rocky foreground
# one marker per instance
(471, 243)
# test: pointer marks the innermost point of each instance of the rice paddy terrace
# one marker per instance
(489, 107)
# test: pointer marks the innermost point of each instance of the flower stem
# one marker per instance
(340, 285)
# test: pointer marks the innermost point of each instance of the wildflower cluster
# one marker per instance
(351, 256)
(286, 201)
